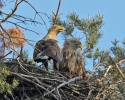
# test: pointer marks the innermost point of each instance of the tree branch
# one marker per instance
(13, 11)
(57, 12)
(117, 67)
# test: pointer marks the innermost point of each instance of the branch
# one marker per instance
(27, 70)
(107, 70)
(57, 12)
(6, 55)
(36, 12)
(99, 64)
(71, 80)
(7, 35)
(117, 67)
(13, 11)
(40, 86)
(23, 27)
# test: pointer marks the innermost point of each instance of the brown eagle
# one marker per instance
(48, 48)
(72, 60)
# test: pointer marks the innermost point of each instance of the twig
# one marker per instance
(36, 12)
(6, 55)
(23, 27)
(33, 83)
(11, 13)
(107, 70)
(89, 94)
(58, 94)
(71, 80)
(99, 64)
(7, 35)
(26, 69)
(117, 67)
(57, 12)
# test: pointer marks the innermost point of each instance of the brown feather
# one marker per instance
(48, 48)
(72, 61)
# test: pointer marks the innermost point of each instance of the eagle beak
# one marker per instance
(78, 44)
(61, 28)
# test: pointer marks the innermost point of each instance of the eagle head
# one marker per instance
(56, 29)
(73, 43)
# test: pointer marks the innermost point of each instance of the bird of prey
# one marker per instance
(72, 60)
(48, 48)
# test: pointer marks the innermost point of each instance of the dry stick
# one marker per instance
(16, 74)
(31, 66)
(58, 94)
(89, 94)
(11, 13)
(36, 12)
(4, 42)
(36, 78)
(21, 53)
(22, 27)
(6, 55)
(27, 70)
(117, 67)
(57, 12)
(107, 70)
(71, 80)
(99, 64)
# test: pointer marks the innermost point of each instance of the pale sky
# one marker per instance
(113, 12)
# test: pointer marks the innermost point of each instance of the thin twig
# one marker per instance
(36, 13)
(26, 69)
(11, 13)
(57, 13)
(71, 80)
(6, 55)
(40, 86)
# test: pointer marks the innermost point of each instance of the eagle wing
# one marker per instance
(73, 63)
(49, 48)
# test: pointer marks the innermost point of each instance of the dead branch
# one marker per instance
(11, 13)
(56, 16)
(36, 12)
(6, 55)
(71, 80)
(117, 67)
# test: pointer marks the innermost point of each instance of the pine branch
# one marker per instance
(117, 67)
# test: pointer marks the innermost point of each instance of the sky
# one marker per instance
(113, 12)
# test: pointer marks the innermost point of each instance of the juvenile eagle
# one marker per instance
(48, 48)
(72, 61)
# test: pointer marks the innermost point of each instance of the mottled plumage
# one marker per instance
(48, 48)
(72, 62)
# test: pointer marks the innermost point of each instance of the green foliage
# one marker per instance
(90, 28)
(118, 51)
(26, 59)
(4, 85)
(121, 87)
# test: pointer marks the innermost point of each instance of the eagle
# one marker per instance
(72, 63)
(48, 48)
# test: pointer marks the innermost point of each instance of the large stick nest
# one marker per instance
(37, 84)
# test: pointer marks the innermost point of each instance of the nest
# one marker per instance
(37, 84)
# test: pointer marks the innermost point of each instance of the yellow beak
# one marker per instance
(61, 28)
